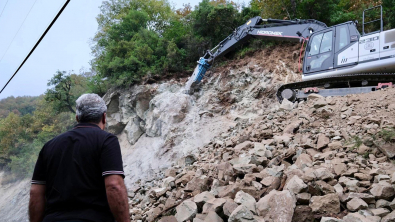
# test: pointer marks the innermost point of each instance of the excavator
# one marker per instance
(338, 60)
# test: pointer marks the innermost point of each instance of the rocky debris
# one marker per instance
(314, 161)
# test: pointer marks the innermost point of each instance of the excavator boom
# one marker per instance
(288, 30)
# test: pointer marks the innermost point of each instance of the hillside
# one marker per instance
(231, 152)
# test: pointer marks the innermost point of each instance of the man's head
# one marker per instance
(91, 108)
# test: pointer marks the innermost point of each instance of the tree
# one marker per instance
(66, 89)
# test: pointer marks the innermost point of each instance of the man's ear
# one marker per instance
(103, 118)
(76, 118)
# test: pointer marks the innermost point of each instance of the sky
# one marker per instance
(66, 46)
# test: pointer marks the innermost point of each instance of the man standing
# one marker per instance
(79, 174)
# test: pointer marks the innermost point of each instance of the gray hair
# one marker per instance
(90, 108)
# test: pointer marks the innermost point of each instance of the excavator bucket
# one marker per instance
(197, 76)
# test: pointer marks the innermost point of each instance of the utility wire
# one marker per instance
(38, 42)
(3, 9)
(18, 31)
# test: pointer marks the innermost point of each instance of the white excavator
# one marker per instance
(338, 60)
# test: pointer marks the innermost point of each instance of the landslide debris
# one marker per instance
(326, 162)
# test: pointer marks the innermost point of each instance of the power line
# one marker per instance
(18, 31)
(3, 9)
(38, 42)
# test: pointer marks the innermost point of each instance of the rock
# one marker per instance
(389, 218)
(388, 149)
(303, 160)
(168, 182)
(213, 205)
(286, 105)
(392, 204)
(277, 206)
(186, 211)
(243, 146)
(381, 212)
(340, 168)
(162, 112)
(303, 198)
(330, 219)
(133, 130)
(189, 160)
(185, 178)
(382, 203)
(320, 102)
(243, 168)
(228, 191)
(327, 204)
(168, 219)
(362, 176)
(355, 217)
(213, 217)
(295, 185)
(370, 199)
(335, 145)
(158, 192)
(198, 184)
(241, 214)
(246, 200)
(382, 190)
(322, 141)
(356, 204)
(202, 198)
(303, 213)
(323, 174)
(324, 187)
(229, 207)
(293, 127)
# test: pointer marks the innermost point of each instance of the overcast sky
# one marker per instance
(65, 47)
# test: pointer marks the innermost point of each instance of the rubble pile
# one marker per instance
(324, 159)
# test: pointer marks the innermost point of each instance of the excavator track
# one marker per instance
(334, 86)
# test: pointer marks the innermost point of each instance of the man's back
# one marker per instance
(72, 166)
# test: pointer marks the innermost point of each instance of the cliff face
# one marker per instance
(157, 124)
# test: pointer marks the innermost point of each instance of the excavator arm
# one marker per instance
(271, 29)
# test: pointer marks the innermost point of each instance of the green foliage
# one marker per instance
(66, 89)
(20, 105)
(23, 136)
(355, 141)
(388, 134)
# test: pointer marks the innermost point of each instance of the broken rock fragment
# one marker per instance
(186, 211)
(328, 204)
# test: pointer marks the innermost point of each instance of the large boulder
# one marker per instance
(277, 206)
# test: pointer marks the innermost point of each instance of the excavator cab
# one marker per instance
(324, 50)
